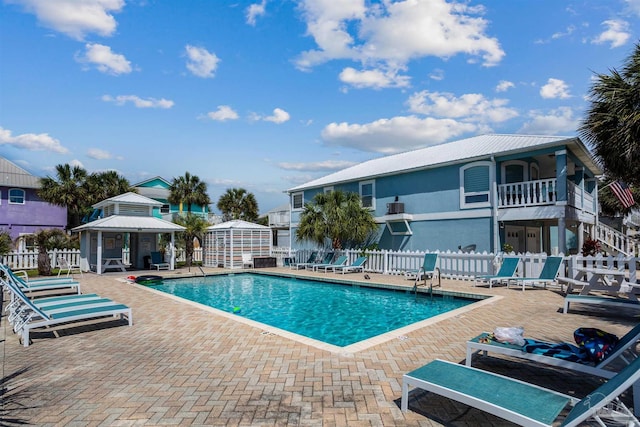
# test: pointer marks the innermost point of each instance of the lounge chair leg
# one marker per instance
(404, 404)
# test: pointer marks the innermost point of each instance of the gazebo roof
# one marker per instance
(238, 224)
(123, 223)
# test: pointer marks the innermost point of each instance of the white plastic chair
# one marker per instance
(64, 265)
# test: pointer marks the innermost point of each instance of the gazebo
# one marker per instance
(127, 222)
(225, 243)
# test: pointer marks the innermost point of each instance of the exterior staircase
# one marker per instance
(615, 242)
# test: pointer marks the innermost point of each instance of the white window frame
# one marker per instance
(167, 210)
(532, 167)
(489, 192)
(24, 196)
(326, 190)
(293, 196)
(373, 193)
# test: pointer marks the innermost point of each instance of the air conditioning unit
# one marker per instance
(395, 208)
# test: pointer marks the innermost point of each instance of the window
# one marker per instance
(164, 209)
(297, 201)
(367, 192)
(16, 196)
(475, 185)
(327, 189)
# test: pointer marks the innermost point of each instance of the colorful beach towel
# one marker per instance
(596, 343)
(563, 350)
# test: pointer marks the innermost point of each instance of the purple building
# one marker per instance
(22, 212)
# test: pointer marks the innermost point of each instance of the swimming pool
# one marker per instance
(337, 314)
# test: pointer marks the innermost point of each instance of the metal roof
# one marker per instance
(123, 223)
(12, 175)
(238, 224)
(128, 199)
(470, 149)
(154, 192)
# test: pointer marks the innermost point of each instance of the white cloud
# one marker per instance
(555, 88)
(469, 107)
(32, 141)
(616, 34)
(104, 59)
(387, 35)
(201, 62)
(76, 162)
(279, 116)
(556, 122)
(376, 79)
(633, 6)
(396, 134)
(504, 85)
(568, 31)
(327, 165)
(98, 154)
(255, 10)
(139, 102)
(75, 18)
(223, 113)
(437, 74)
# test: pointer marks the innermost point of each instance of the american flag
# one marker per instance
(623, 193)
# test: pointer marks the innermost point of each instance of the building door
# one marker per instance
(515, 236)
(533, 239)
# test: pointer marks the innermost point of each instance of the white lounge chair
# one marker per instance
(28, 316)
(602, 301)
(61, 283)
(548, 274)
(518, 401)
(341, 260)
(158, 262)
(247, 260)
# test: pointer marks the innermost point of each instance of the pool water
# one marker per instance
(333, 313)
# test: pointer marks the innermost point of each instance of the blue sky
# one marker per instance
(266, 95)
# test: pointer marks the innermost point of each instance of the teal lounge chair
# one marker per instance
(39, 284)
(622, 351)
(507, 271)
(29, 316)
(602, 301)
(328, 257)
(354, 267)
(341, 260)
(427, 269)
(158, 262)
(518, 401)
(548, 274)
(311, 260)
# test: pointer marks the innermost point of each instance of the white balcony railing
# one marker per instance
(528, 193)
(579, 198)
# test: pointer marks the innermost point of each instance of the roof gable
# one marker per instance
(12, 175)
(237, 224)
(462, 151)
(128, 199)
(157, 182)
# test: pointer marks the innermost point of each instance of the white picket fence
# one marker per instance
(456, 265)
(28, 260)
(462, 265)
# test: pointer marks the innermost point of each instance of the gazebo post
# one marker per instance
(99, 254)
(172, 263)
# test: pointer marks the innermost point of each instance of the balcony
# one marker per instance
(543, 192)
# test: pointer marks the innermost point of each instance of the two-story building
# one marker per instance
(536, 193)
(22, 212)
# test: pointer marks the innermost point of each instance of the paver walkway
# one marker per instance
(181, 365)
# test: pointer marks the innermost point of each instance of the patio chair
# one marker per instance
(158, 262)
(66, 266)
(62, 283)
(298, 265)
(247, 260)
(427, 269)
(355, 267)
(507, 271)
(341, 260)
(548, 274)
(521, 402)
(28, 316)
(557, 356)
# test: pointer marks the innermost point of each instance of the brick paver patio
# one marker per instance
(183, 365)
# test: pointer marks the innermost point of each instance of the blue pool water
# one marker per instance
(336, 314)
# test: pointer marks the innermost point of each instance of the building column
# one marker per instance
(99, 254)
(562, 236)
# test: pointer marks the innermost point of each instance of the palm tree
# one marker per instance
(67, 189)
(612, 124)
(236, 203)
(103, 185)
(609, 203)
(195, 227)
(188, 190)
(5, 242)
(337, 217)
(47, 240)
